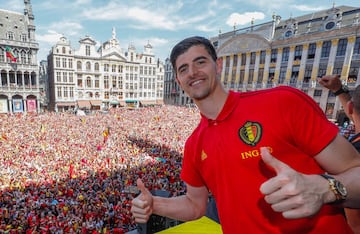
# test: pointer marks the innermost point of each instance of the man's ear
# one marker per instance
(349, 107)
(219, 64)
(177, 81)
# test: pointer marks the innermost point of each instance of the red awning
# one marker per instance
(84, 104)
(95, 102)
(65, 103)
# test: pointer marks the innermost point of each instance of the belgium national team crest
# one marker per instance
(250, 133)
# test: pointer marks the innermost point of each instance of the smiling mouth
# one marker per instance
(196, 83)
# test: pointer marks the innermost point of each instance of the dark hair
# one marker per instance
(189, 42)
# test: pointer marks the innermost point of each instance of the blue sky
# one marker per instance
(162, 23)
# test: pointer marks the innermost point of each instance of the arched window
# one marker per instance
(78, 65)
(88, 66)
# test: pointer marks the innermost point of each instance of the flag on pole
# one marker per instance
(10, 54)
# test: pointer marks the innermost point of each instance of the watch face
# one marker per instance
(341, 189)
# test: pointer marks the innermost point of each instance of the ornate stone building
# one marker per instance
(99, 78)
(19, 71)
(293, 52)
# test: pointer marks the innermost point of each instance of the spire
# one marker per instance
(113, 33)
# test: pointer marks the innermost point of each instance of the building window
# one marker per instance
(341, 48)
(58, 76)
(23, 37)
(357, 46)
(66, 94)
(317, 93)
(79, 83)
(235, 60)
(252, 57)
(106, 67)
(285, 54)
(65, 77)
(312, 50)
(106, 82)
(282, 75)
(64, 62)
(57, 62)
(298, 52)
(88, 82)
(79, 65)
(251, 76)
(243, 59)
(10, 36)
(262, 56)
(71, 77)
(59, 95)
(97, 67)
(273, 57)
(325, 51)
(88, 66)
(260, 76)
(63, 50)
(70, 63)
(87, 50)
(2, 55)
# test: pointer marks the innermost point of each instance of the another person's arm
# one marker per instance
(333, 83)
(187, 207)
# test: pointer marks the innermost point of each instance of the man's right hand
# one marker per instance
(142, 205)
(331, 82)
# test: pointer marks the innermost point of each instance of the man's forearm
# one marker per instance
(350, 179)
(179, 208)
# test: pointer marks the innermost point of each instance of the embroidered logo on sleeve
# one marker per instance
(250, 133)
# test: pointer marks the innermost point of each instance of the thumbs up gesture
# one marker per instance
(294, 194)
(142, 205)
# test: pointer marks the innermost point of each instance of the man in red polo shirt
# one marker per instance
(264, 155)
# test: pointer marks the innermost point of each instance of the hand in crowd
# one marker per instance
(332, 82)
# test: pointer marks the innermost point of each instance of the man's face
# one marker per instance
(196, 72)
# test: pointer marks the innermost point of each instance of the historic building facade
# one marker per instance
(294, 52)
(19, 71)
(99, 78)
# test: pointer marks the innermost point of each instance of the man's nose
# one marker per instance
(193, 70)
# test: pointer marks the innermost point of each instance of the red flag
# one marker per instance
(10, 54)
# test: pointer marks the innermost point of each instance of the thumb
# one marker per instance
(275, 164)
(143, 190)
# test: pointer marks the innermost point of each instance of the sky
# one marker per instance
(162, 23)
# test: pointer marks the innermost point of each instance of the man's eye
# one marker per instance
(182, 70)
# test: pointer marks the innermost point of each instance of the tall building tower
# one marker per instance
(19, 71)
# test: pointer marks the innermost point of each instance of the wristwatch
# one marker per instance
(343, 89)
(337, 187)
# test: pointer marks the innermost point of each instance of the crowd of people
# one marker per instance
(63, 173)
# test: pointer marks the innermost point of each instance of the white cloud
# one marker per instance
(243, 19)
(308, 8)
(50, 37)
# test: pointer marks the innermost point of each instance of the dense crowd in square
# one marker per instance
(64, 173)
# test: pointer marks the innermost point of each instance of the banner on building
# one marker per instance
(17, 105)
(31, 105)
(10, 54)
(3, 106)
